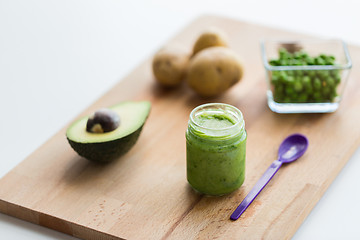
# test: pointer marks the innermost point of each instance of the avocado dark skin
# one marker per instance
(106, 151)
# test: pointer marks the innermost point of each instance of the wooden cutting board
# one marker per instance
(144, 195)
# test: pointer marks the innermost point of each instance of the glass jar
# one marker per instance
(216, 149)
(305, 76)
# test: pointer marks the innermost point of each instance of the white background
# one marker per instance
(57, 57)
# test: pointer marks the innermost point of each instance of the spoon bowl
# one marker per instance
(293, 147)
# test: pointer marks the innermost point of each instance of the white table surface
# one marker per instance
(57, 57)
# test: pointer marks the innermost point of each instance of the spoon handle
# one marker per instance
(261, 183)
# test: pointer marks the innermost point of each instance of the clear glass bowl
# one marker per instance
(316, 87)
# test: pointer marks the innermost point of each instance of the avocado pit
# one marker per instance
(102, 121)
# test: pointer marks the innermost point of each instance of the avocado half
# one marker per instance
(105, 147)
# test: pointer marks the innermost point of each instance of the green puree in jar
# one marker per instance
(214, 120)
(216, 145)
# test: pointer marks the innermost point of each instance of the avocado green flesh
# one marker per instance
(105, 147)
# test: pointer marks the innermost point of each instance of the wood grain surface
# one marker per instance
(145, 195)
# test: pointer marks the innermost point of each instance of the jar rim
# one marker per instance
(223, 106)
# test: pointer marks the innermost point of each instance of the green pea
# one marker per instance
(298, 55)
(317, 97)
(298, 78)
(319, 61)
(303, 54)
(317, 84)
(294, 97)
(303, 97)
(275, 79)
(307, 84)
(279, 90)
(275, 73)
(312, 73)
(290, 80)
(306, 80)
(324, 73)
(289, 90)
(307, 72)
(278, 99)
(330, 81)
(283, 77)
(286, 100)
(284, 54)
(309, 89)
(337, 78)
(291, 62)
(298, 63)
(290, 73)
(298, 87)
(332, 96)
(274, 62)
(323, 56)
(299, 73)
(326, 91)
(334, 72)
(329, 61)
(319, 73)
(310, 61)
(283, 62)
(278, 96)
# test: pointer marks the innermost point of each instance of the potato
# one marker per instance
(210, 38)
(214, 70)
(169, 65)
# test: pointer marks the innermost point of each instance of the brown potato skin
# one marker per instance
(213, 71)
(169, 66)
(210, 38)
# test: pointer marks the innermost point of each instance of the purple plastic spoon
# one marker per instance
(293, 147)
